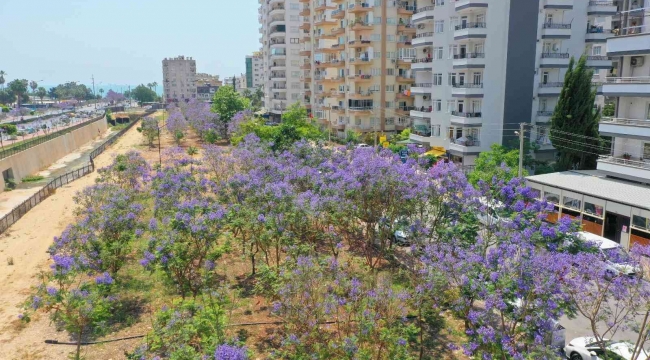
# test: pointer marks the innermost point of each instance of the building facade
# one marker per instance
(179, 79)
(356, 63)
(483, 67)
(614, 200)
(206, 92)
(280, 33)
(254, 70)
(203, 79)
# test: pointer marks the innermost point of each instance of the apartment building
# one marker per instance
(179, 78)
(356, 61)
(254, 70)
(280, 22)
(483, 67)
(614, 200)
(203, 79)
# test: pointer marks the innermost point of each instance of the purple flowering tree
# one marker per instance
(176, 124)
(130, 171)
(114, 97)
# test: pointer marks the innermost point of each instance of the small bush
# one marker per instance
(33, 178)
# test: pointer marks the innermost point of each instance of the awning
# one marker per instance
(436, 151)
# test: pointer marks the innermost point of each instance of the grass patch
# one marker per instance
(33, 178)
(119, 127)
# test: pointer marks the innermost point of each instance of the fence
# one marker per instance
(49, 189)
(41, 139)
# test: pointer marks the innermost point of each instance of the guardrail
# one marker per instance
(41, 139)
(621, 161)
(49, 189)
(622, 121)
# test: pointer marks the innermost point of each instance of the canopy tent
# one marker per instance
(436, 151)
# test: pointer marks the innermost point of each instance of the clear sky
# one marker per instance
(123, 41)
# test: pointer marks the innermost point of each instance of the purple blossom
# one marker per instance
(230, 352)
(104, 279)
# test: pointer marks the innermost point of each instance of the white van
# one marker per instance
(615, 258)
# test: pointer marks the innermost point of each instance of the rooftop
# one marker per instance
(596, 184)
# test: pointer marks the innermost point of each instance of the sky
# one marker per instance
(123, 42)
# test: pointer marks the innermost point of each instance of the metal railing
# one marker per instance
(622, 121)
(557, 26)
(424, 34)
(555, 55)
(467, 143)
(42, 139)
(551, 84)
(467, 86)
(544, 113)
(471, 25)
(423, 85)
(601, 3)
(597, 57)
(628, 80)
(49, 189)
(425, 8)
(621, 161)
(424, 60)
(467, 114)
(469, 56)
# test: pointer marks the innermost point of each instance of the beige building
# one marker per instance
(356, 63)
(179, 78)
(203, 79)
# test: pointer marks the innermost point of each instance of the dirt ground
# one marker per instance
(25, 245)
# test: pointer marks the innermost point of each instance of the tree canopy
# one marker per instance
(142, 93)
(18, 88)
(227, 102)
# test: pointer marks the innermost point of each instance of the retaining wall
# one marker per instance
(39, 157)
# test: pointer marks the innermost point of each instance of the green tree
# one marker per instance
(18, 88)
(33, 85)
(41, 93)
(52, 93)
(609, 109)
(574, 125)
(10, 129)
(227, 102)
(143, 94)
(101, 93)
(2, 78)
(155, 87)
(489, 165)
(7, 97)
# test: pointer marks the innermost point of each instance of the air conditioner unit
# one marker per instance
(420, 26)
(425, 97)
(637, 61)
(393, 61)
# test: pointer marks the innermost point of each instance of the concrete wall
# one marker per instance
(41, 156)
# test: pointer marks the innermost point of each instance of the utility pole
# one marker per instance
(521, 149)
(329, 123)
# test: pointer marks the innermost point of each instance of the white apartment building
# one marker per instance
(280, 22)
(255, 70)
(614, 200)
(179, 78)
(483, 67)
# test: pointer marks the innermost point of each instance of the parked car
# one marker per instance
(616, 260)
(362, 146)
(582, 347)
(402, 234)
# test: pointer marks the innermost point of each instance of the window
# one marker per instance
(451, 106)
(391, 21)
(437, 53)
(295, 51)
(437, 79)
(451, 80)
(391, 55)
(476, 106)
(295, 86)
(550, 197)
(478, 78)
(440, 2)
(293, 29)
(390, 38)
(390, 88)
(439, 26)
(294, 6)
(646, 151)
(453, 21)
(295, 62)
(375, 37)
(640, 222)
(390, 71)
(294, 41)
(594, 209)
(389, 104)
(375, 71)
(453, 50)
(596, 50)
(377, 54)
(543, 104)
(572, 203)
(295, 74)
(435, 130)
(294, 17)
(437, 105)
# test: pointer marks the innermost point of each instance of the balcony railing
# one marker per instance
(408, 7)
(423, 85)
(597, 58)
(425, 8)
(598, 30)
(620, 161)
(467, 114)
(628, 80)
(424, 60)
(551, 84)
(468, 142)
(467, 86)
(544, 113)
(557, 26)
(601, 3)
(471, 25)
(622, 121)
(469, 56)
(555, 55)
(405, 108)
(424, 34)
(360, 108)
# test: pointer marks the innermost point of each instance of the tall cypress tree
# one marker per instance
(575, 114)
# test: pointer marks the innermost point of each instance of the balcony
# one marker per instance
(421, 88)
(422, 112)
(306, 11)
(627, 86)
(597, 34)
(359, 8)
(359, 43)
(279, 88)
(636, 41)
(620, 167)
(405, 9)
(406, 28)
(405, 78)
(360, 77)
(404, 110)
(464, 144)
(404, 44)
(420, 136)
(550, 88)
(277, 43)
(423, 39)
(277, 11)
(470, 30)
(467, 90)
(422, 64)
(278, 67)
(361, 109)
(305, 26)
(423, 13)
(558, 4)
(599, 62)
(337, 63)
(556, 31)
(338, 31)
(544, 116)
(325, 21)
(467, 6)
(358, 25)
(338, 14)
(554, 60)
(361, 95)
(306, 65)
(277, 33)
(602, 8)
(625, 127)
(306, 52)
(466, 118)
(469, 61)
(323, 5)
